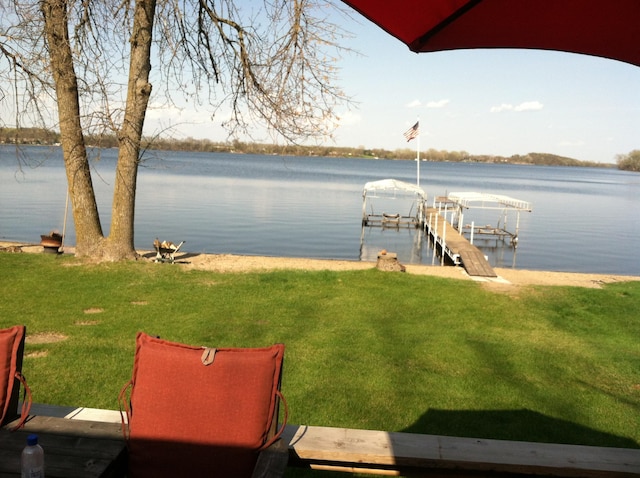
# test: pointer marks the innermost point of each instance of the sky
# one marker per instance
(495, 102)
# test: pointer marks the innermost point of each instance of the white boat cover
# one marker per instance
(484, 200)
(393, 185)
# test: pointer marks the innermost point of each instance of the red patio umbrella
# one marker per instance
(593, 27)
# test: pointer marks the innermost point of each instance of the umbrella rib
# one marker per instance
(417, 44)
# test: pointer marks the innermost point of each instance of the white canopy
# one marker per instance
(488, 201)
(393, 185)
(411, 196)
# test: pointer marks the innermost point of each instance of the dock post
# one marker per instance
(435, 235)
(472, 229)
(444, 237)
(444, 233)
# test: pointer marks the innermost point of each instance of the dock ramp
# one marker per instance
(475, 263)
(456, 246)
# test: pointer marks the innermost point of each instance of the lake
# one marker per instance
(583, 219)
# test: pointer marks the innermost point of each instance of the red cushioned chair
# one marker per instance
(198, 411)
(11, 352)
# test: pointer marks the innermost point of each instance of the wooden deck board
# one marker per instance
(407, 454)
(472, 258)
(388, 453)
(475, 263)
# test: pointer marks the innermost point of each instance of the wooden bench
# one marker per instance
(407, 454)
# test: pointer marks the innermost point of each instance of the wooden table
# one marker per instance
(72, 448)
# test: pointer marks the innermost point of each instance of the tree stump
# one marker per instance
(388, 261)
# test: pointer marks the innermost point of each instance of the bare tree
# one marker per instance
(630, 161)
(270, 62)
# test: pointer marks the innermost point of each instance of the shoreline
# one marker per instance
(507, 279)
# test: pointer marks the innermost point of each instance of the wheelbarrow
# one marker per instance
(166, 251)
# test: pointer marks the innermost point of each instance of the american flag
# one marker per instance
(412, 132)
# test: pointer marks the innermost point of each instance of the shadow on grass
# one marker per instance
(515, 425)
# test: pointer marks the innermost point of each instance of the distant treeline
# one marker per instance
(45, 137)
(28, 136)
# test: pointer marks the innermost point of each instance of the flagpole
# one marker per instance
(418, 155)
(413, 133)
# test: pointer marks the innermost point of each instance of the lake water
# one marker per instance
(583, 219)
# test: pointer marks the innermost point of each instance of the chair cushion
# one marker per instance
(187, 417)
(11, 351)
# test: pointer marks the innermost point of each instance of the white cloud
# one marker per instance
(185, 122)
(525, 106)
(437, 104)
(529, 106)
(502, 107)
(431, 104)
(349, 118)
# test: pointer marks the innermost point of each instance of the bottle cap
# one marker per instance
(32, 439)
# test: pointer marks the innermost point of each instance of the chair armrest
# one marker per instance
(272, 462)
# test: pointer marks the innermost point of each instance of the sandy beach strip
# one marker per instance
(507, 278)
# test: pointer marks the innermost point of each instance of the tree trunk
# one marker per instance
(120, 242)
(90, 241)
(89, 235)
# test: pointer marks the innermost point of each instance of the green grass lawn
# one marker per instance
(365, 349)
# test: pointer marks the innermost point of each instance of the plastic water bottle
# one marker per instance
(32, 460)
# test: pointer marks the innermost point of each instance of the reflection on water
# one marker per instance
(583, 219)
(408, 242)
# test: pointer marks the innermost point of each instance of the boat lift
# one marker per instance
(457, 203)
(411, 198)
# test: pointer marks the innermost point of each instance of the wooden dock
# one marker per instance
(455, 246)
